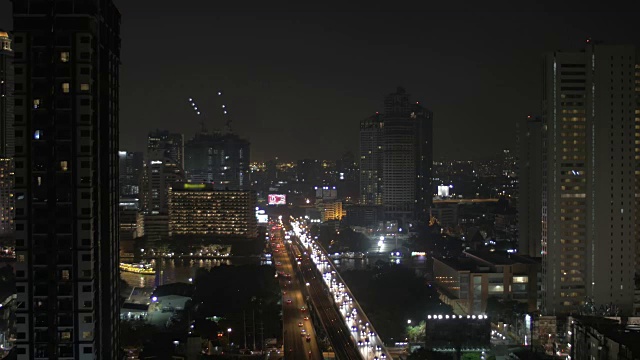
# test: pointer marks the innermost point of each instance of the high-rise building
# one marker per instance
(588, 188)
(7, 202)
(530, 186)
(201, 210)
(131, 167)
(218, 158)
(66, 60)
(348, 177)
(160, 176)
(371, 160)
(7, 138)
(407, 158)
(164, 146)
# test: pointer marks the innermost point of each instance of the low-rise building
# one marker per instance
(467, 282)
(445, 213)
(603, 338)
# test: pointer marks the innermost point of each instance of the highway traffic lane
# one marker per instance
(296, 346)
(337, 331)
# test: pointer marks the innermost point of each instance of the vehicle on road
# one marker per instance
(306, 318)
(303, 332)
(303, 309)
(308, 338)
(289, 301)
(300, 324)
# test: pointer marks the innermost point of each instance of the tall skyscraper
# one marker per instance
(7, 200)
(218, 158)
(530, 186)
(131, 167)
(164, 145)
(588, 203)
(371, 160)
(161, 174)
(7, 138)
(407, 158)
(67, 55)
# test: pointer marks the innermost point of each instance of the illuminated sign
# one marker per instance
(156, 162)
(418, 253)
(277, 199)
(263, 219)
(193, 186)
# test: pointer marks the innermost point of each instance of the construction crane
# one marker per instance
(225, 115)
(194, 106)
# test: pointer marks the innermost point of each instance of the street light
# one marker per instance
(409, 321)
(229, 336)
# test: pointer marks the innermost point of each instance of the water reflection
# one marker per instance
(139, 287)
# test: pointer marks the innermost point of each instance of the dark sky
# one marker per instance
(297, 84)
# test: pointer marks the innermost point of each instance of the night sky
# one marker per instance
(297, 84)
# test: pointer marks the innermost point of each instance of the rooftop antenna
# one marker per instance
(194, 106)
(225, 115)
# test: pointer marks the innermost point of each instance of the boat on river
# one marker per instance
(139, 268)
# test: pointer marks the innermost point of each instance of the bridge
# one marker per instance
(352, 322)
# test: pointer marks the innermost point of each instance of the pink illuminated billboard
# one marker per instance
(277, 199)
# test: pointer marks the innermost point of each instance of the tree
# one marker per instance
(418, 332)
(424, 354)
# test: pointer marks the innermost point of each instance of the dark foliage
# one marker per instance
(390, 295)
(231, 292)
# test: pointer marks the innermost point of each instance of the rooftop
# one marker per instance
(500, 258)
(610, 328)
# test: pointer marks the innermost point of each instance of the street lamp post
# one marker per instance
(229, 336)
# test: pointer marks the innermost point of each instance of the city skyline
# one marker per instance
(191, 182)
(461, 66)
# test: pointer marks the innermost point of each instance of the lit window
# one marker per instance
(87, 335)
(65, 275)
(20, 258)
(65, 88)
(36, 103)
(37, 134)
(64, 165)
(65, 335)
(64, 56)
(84, 87)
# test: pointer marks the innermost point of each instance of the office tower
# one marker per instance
(407, 159)
(7, 139)
(220, 159)
(530, 186)
(202, 210)
(161, 174)
(131, 167)
(588, 203)
(66, 60)
(371, 160)
(164, 146)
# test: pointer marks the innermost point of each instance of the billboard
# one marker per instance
(277, 199)
(443, 191)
